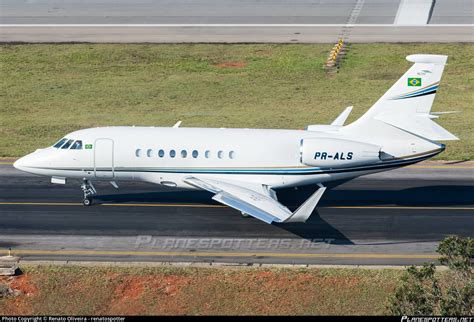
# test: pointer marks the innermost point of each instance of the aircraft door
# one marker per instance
(104, 158)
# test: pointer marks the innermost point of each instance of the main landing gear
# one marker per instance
(245, 215)
(89, 191)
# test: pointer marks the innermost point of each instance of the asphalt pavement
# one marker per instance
(394, 218)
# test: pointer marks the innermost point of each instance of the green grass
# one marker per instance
(47, 91)
(76, 290)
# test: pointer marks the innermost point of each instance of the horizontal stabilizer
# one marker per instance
(418, 124)
(341, 119)
(427, 59)
(443, 113)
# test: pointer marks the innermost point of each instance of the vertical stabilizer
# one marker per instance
(407, 104)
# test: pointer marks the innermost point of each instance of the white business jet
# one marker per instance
(243, 167)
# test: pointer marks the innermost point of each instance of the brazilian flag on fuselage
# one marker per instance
(414, 81)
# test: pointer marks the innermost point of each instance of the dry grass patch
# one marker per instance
(195, 291)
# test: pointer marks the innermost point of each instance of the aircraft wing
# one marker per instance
(256, 200)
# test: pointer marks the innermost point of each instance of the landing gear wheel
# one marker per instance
(89, 191)
(244, 215)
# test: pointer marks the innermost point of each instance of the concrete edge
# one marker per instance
(219, 265)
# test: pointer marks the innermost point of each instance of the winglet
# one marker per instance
(177, 124)
(339, 121)
(306, 209)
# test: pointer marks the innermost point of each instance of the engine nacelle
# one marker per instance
(336, 153)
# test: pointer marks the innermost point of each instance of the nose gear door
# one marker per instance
(104, 158)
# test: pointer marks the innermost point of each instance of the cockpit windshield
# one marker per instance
(60, 143)
(67, 145)
(77, 145)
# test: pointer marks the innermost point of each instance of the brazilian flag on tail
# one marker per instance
(414, 81)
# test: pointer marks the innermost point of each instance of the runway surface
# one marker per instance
(453, 11)
(221, 11)
(392, 218)
(194, 11)
(228, 21)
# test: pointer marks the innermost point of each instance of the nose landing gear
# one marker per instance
(89, 191)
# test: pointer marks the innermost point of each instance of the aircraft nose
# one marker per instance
(21, 163)
(35, 162)
(29, 162)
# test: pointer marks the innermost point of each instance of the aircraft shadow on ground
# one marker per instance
(185, 197)
(438, 195)
(316, 229)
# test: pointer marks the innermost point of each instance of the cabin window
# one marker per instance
(220, 154)
(172, 153)
(59, 143)
(195, 154)
(207, 154)
(67, 145)
(77, 145)
(138, 152)
(161, 153)
(231, 154)
(184, 154)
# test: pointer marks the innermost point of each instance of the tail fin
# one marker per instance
(407, 104)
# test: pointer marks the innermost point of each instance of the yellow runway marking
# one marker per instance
(161, 205)
(42, 203)
(220, 254)
(111, 204)
(218, 206)
(401, 207)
